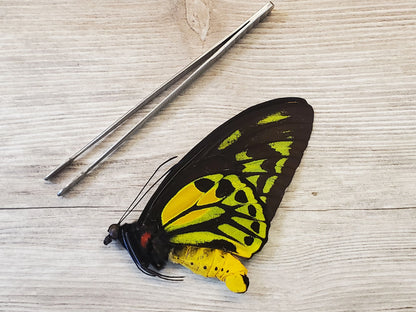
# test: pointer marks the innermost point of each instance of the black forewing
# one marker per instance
(205, 158)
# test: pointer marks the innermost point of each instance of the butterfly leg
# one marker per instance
(210, 262)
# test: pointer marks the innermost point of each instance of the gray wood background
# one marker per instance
(344, 238)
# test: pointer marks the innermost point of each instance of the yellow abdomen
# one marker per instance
(210, 262)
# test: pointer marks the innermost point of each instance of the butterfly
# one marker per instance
(216, 204)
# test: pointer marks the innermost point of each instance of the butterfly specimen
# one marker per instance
(216, 204)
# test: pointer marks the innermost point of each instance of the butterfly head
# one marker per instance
(113, 233)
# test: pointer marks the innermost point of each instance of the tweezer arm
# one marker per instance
(207, 60)
(179, 75)
(175, 78)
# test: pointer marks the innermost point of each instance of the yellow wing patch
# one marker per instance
(209, 197)
(187, 197)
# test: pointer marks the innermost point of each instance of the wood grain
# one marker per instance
(344, 238)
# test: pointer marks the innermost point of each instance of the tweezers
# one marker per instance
(198, 66)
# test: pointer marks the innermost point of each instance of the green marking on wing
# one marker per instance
(253, 179)
(242, 249)
(257, 227)
(283, 147)
(269, 183)
(242, 156)
(273, 118)
(252, 210)
(230, 140)
(279, 165)
(195, 217)
(251, 242)
(254, 166)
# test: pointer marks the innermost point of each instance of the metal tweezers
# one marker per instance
(198, 66)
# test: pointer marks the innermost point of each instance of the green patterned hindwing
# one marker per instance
(216, 211)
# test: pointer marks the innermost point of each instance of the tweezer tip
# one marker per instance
(59, 169)
(64, 190)
(72, 183)
(48, 177)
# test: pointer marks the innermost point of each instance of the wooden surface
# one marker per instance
(344, 238)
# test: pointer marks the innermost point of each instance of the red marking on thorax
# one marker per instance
(145, 238)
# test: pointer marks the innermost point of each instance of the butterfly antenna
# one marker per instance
(137, 199)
